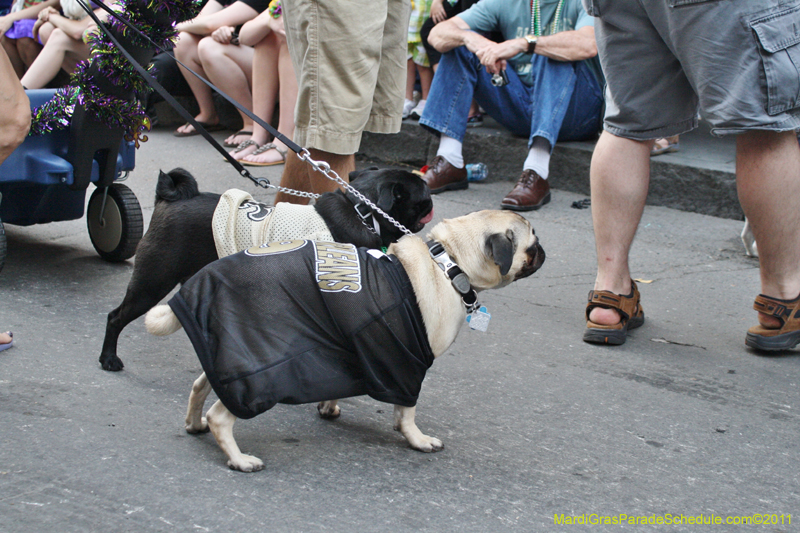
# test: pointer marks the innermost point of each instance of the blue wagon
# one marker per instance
(46, 177)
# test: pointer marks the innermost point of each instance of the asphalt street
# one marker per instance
(681, 421)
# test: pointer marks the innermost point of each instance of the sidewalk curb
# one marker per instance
(678, 186)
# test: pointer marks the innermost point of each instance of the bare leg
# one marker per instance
(288, 99)
(620, 177)
(295, 176)
(186, 52)
(61, 51)
(265, 90)
(230, 68)
(404, 423)
(343, 165)
(220, 420)
(28, 50)
(425, 80)
(768, 183)
(195, 421)
(10, 46)
(411, 75)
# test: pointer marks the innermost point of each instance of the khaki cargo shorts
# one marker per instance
(736, 62)
(350, 61)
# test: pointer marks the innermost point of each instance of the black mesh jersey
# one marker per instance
(303, 321)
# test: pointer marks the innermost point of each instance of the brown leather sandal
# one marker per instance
(629, 308)
(772, 339)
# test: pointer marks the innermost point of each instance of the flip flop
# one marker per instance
(208, 127)
(7, 345)
(240, 132)
(668, 149)
(261, 150)
(241, 146)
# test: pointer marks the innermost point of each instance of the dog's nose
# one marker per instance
(538, 255)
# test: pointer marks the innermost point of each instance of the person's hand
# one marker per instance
(5, 24)
(276, 25)
(44, 14)
(223, 34)
(437, 11)
(494, 55)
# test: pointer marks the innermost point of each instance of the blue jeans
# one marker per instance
(565, 102)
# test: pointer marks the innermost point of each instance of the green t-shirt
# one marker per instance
(512, 18)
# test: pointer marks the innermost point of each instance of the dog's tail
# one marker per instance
(161, 321)
(177, 184)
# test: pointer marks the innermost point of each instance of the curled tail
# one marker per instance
(177, 184)
(161, 321)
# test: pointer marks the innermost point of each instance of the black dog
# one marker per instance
(179, 241)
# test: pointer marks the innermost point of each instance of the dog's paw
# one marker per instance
(111, 363)
(427, 444)
(328, 410)
(246, 463)
(198, 428)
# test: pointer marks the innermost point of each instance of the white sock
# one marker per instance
(450, 149)
(538, 158)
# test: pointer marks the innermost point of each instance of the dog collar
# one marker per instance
(365, 212)
(457, 276)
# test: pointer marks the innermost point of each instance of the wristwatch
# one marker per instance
(531, 40)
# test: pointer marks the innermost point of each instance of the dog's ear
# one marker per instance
(390, 194)
(500, 247)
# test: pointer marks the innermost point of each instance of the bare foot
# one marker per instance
(188, 129)
(769, 321)
(240, 153)
(271, 156)
(605, 317)
(5, 338)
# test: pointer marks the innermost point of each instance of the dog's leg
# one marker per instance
(136, 303)
(329, 409)
(220, 421)
(195, 421)
(404, 423)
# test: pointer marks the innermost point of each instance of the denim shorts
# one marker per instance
(737, 63)
(350, 61)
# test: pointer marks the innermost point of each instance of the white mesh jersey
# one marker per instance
(240, 222)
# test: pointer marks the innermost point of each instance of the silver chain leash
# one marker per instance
(324, 168)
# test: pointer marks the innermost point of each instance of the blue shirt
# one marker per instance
(512, 18)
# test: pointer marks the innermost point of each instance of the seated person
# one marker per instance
(273, 79)
(554, 89)
(16, 29)
(65, 47)
(226, 65)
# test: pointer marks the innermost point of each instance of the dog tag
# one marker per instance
(479, 320)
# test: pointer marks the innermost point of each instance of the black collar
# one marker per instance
(457, 276)
(364, 212)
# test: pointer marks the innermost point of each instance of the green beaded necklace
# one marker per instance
(536, 17)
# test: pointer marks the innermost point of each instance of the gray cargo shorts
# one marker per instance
(736, 62)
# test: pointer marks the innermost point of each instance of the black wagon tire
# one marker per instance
(116, 234)
(3, 246)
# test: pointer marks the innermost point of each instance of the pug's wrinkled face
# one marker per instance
(493, 248)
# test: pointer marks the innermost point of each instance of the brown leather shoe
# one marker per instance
(442, 176)
(531, 192)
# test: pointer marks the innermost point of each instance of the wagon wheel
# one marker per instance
(114, 219)
(2, 246)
